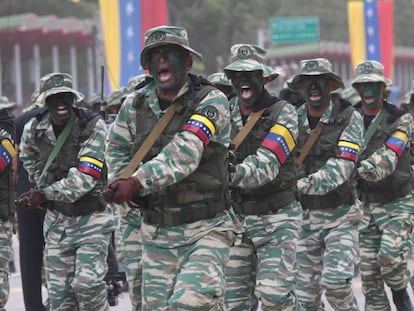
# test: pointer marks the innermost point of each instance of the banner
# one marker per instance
(371, 32)
(124, 23)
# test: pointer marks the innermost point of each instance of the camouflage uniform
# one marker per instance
(7, 208)
(77, 226)
(388, 196)
(264, 186)
(331, 212)
(186, 231)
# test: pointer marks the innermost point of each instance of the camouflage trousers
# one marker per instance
(75, 268)
(326, 262)
(6, 231)
(189, 277)
(129, 252)
(383, 261)
(264, 262)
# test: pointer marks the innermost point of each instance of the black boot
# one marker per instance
(402, 300)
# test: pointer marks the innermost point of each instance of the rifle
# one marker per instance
(102, 102)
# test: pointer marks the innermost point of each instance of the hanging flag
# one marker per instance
(371, 32)
(124, 23)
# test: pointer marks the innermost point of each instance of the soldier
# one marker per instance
(330, 136)
(220, 81)
(385, 188)
(7, 195)
(181, 185)
(263, 189)
(62, 149)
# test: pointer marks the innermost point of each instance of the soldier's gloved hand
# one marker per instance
(33, 198)
(124, 190)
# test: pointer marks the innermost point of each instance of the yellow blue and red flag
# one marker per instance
(124, 23)
(371, 32)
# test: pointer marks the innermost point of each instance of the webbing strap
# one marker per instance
(313, 137)
(246, 129)
(373, 126)
(149, 141)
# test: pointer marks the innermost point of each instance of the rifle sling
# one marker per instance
(246, 129)
(313, 137)
(149, 141)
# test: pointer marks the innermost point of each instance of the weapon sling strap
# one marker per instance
(149, 141)
(246, 129)
(313, 137)
(373, 126)
(59, 143)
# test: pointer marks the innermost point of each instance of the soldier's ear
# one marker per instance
(189, 62)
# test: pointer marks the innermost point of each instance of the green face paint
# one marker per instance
(371, 94)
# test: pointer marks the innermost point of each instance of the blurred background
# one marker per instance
(88, 37)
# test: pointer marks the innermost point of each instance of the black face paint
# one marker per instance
(167, 66)
(60, 106)
(370, 94)
(316, 92)
(248, 86)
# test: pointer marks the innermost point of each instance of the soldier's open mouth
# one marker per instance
(246, 92)
(164, 75)
(369, 99)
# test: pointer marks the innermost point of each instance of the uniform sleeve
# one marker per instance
(30, 153)
(337, 169)
(263, 166)
(384, 160)
(181, 157)
(7, 150)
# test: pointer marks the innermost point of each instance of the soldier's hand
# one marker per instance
(124, 190)
(33, 198)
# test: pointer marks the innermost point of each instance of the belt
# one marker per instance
(270, 204)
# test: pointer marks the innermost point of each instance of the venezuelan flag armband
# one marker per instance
(7, 152)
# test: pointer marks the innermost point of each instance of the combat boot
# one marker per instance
(402, 300)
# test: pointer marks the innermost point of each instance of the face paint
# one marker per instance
(370, 94)
(316, 91)
(167, 66)
(248, 86)
(60, 106)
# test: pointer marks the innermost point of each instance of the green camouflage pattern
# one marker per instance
(263, 259)
(82, 239)
(5, 103)
(219, 78)
(129, 253)
(6, 255)
(315, 67)
(246, 57)
(164, 35)
(55, 83)
(134, 81)
(116, 96)
(370, 71)
(171, 246)
(385, 229)
(333, 230)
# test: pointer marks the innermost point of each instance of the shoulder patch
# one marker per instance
(210, 112)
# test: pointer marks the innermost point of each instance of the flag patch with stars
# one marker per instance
(397, 142)
(347, 150)
(90, 166)
(201, 126)
(280, 141)
(7, 152)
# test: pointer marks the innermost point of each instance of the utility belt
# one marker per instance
(321, 202)
(250, 204)
(386, 196)
(183, 207)
(82, 207)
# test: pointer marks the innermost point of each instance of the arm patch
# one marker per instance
(279, 140)
(90, 166)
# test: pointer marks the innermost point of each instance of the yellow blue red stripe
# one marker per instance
(348, 150)
(397, 142)
(90, 166)
(280, 141)
(7, 152)
(201, 126)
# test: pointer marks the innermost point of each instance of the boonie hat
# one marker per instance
(246, 57)
(5, 103)
(370, 71)
(163, 35)
(55, 83)
(219, 78)
(315, 67)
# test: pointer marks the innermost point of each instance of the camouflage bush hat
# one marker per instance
(370, 71)
(315, 67)
(349, 94)
(164, 35)
(269, 73)
(116, 96)
(135, 81)
(5, 103)
(246, 57)
(55, 83)
(219, 78)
